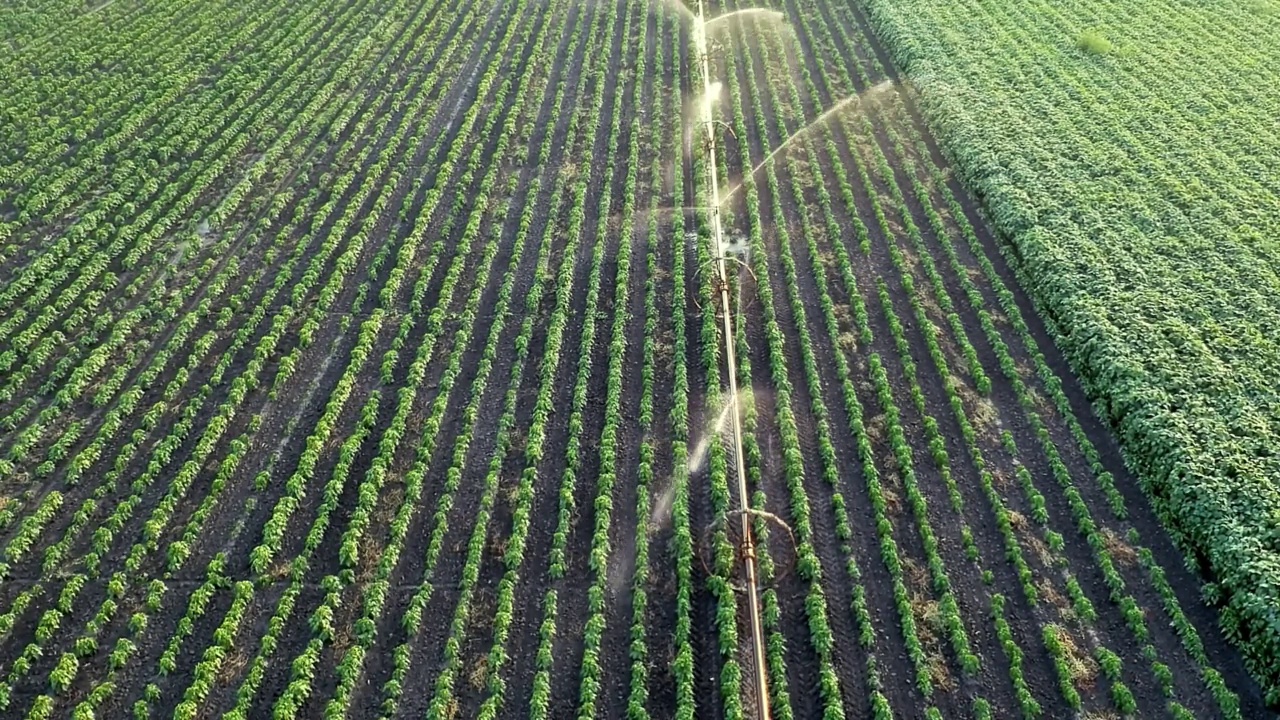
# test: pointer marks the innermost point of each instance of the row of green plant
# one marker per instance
(1187, 633)
(682, 546)
(723, 563)
(949, 609)
(119, 102)
(98, 359)
(1035, 499)
(113, 421)
(638, 649)
(154, 527)
(808, 565)
(889, 550)
(1004, 522)
(540, 700)
(170, 548)
(349, 669)
(413, 618)
(1096, 539)
(639, 652)
(934, 438)
(44, 186)
(771, 610)
(346, 456)
(607, 474)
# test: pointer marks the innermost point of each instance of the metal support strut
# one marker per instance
(747, 547)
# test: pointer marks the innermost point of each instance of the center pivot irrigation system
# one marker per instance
(747, 547)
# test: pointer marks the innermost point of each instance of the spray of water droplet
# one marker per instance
(765, 13)
(700, 450)
(870, 94)
(660, 517)
(679, 8)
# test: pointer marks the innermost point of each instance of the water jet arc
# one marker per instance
(774, 14)
(826, 114)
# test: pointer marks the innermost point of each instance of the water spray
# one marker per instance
(870, 94)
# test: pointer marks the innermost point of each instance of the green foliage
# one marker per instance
(1094, 42)
(1263, 8)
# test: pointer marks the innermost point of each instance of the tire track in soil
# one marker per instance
(800, 659)
(703, 636)
(704, 641)
(708, 663)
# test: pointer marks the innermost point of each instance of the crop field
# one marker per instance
(362, 360)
